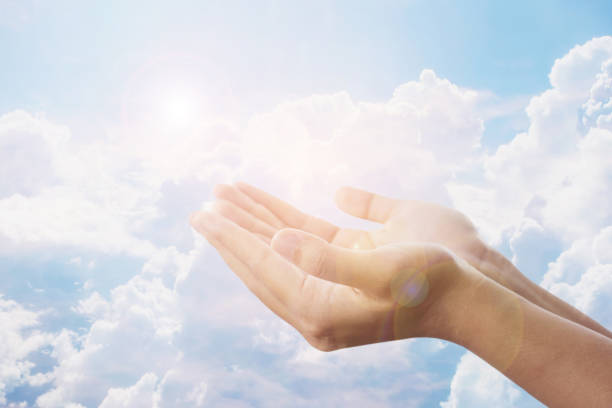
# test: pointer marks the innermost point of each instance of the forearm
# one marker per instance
(504, 272)
(557, 361)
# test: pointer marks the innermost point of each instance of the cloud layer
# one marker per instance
(179, 329)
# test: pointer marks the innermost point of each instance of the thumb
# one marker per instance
(403, 271)
(319, 258)
(366, 205)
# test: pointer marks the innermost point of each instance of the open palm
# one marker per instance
(403, 221)
(335, 295)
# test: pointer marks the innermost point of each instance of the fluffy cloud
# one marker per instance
(141, 394)
(559, 169)
(137, 323)
(582, 276)
(19, 340)
(477, 384)
(29, 146)
(61, 194)
(171, 391)
(408, 145)
(183, 330)
(118, 194)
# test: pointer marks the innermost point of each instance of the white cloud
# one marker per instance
(408, 145)
(561, 163)
(155, 338)
(582, 276)
(131, 334)
(142, 394)
(598, 109)
(476, 384)
(116, 195)
(183, 386)
(574, 72)
(174, 390)
(29, 146)
(19, 339)
(579, 196)
(61, 194)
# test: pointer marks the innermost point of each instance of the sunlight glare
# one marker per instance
(179, 108)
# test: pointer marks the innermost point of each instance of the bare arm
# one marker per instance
(559, 362)
(497, 266)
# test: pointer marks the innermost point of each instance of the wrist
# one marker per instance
(489, 321)
(498, 268)
(446, 314)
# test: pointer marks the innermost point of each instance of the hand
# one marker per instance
(338, 297)
(404, 221)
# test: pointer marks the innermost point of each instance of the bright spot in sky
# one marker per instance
(179, 108)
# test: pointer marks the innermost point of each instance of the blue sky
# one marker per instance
(117, 118)
(67, 54)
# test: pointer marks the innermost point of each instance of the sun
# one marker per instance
(179, 108)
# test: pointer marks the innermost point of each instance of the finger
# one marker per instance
(242, 200)
(243, 218)
(254, 285)
(332, 316)
(290, 215)
(363, 204)
(356, 268)
(266, 240)
(282, 279)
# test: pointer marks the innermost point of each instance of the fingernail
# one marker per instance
(286, 245)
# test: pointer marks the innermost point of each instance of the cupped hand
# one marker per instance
(403, 221)
(338, 297)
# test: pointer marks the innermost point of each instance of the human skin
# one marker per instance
(405, 221)
(342, 288)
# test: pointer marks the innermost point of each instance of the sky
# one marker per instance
(117, 118)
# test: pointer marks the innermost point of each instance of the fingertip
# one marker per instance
(339, 195)
(206, 220)
(343, 197)
(220, 189)
(241, 185)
